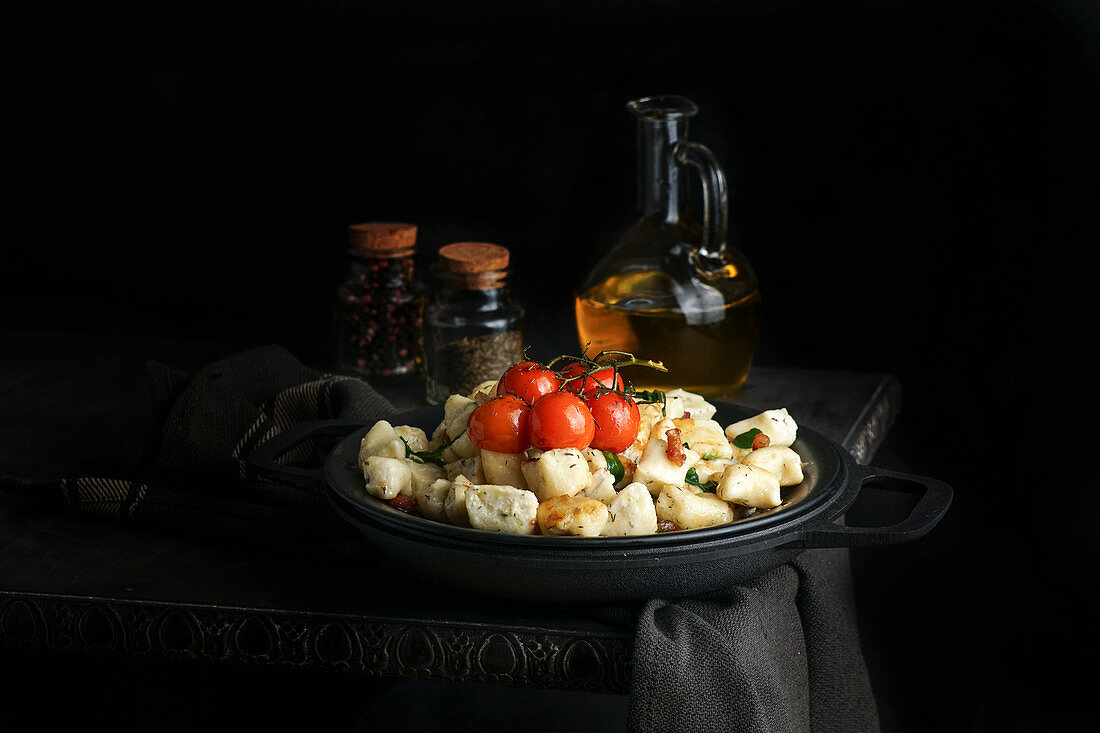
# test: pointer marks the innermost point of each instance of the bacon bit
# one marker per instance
(675, 450)
(404, 503)
(760, 440)
(686, 414)
(667, 525)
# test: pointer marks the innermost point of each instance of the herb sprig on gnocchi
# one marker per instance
(569, 448)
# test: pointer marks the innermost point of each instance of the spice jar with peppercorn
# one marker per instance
(381, 303)
(473, 330)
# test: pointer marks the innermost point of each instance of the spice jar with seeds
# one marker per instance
(473, 329)
(381, 303)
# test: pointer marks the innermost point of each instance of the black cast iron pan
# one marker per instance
(609, 569)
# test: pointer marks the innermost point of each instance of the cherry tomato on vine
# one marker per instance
(561, 420)
(529, 381)
(616, 417)
(502, 424)
(603, 378)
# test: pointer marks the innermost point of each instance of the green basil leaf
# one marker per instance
(614, 465)
(651, 396)
(693, 478)
(744, 440)
(430, 456)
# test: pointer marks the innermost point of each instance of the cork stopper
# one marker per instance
(382, 239)
(476, 265)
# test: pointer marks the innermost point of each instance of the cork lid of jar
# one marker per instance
(478, 265)
(382, 238)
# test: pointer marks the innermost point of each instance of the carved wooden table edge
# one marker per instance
(879, 415)
(592, 662)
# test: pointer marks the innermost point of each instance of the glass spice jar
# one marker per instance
(381, 303)
(473, 330)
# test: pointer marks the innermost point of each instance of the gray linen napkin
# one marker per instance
(778, 654)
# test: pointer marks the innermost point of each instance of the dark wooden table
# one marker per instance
(75, 585)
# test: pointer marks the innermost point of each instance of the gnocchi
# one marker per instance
(682, 470)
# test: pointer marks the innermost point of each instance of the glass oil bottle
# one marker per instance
(669, 289)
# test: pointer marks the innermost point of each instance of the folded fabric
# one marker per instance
(199, 481)
(780, 653)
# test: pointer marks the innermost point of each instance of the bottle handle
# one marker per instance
(715, 201)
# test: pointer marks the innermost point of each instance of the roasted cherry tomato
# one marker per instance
(502, 424)
(529, 381)
(561, 420)
(603, 378)
(616, 416)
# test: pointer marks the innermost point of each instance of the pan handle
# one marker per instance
(935, 498)
(263, 460)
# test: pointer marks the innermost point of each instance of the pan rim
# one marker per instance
(773, 528)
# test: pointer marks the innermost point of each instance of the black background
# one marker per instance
(915, 184)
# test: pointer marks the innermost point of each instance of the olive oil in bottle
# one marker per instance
(668, 289)
(709, 352)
